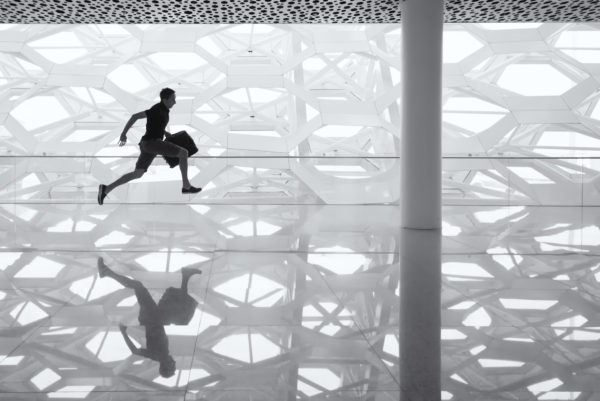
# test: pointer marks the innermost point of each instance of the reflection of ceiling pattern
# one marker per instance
(311, 308)
(281, 12)
(274, 323)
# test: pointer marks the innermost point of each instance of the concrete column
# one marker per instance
(420, 243)
(421, 146)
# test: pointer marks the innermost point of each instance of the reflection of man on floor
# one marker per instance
(152, 144)
(175, 306)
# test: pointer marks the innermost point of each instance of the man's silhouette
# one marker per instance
(154, 317)
(152, 144)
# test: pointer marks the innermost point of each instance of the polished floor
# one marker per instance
(294, 302)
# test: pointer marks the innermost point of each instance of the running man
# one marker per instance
(152, 144)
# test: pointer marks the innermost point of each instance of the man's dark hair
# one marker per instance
(166, 93)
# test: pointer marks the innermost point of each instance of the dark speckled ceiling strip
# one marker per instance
(280, 11)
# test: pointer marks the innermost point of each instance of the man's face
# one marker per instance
(170, 101)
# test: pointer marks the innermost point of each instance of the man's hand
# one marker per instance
(167, 134)
(122, 140)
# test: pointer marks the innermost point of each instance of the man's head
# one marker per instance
(167, 96)
(167, 367)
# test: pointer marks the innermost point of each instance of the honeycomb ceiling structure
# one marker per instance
(296, 230)
(281, 11)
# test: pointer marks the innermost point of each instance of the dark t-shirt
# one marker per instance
(157, 118)
(157, 343)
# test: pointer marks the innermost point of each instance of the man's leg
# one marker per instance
(186, 274)
(141, 166)
(169, 149)
(104, 271)
(125, 178)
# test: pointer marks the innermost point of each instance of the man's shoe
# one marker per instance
(190, 190)
(101, 194)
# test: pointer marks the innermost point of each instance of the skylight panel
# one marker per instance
(452, 334)
(535, 80)
(246, 228)
(559, 396)
(208, 44)
(154, 261)
(338, 168)
(239, 95)
(391, 345)
(13, 360)
(62, 56)
(478, 318)
(338, 263)
(463, 305)
(322, 377)
(458, 45)
(181, 259)
(248, 29)
(40, 267)
(8, 258)
(573, 321)
(257, 287)
(545, 385)
(491, 216)
(509, 26)
(314, 64)
(499, 363)
(584, 56)
(260, 96)
(582, 335)
(579, 39)
(109, 346)
(27, 312)
(111, 30)
(460, 103)
(568, 139)
(113, 238)
(247, 347)
(474, 122)
(81, 135)
(270, 134)
(61, 39)
(39, 111)
(90, 289)
(531, 175)
(464, 269)
(524, 304)
(177, 61)
(128, 78)
(75, 392)
(448, 230)
(338, 131)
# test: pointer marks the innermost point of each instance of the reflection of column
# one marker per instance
(420, 250)
(420, 314)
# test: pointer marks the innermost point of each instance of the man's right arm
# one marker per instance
(134, 350)
(129, 124)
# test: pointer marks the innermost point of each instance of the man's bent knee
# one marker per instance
(138, 173)
(183, 153)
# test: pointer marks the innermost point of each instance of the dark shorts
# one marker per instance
(149, 312)
(149, 150)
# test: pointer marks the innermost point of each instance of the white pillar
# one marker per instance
(421, 149)
(420, 247)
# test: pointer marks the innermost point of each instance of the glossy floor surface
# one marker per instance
(294, 302)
